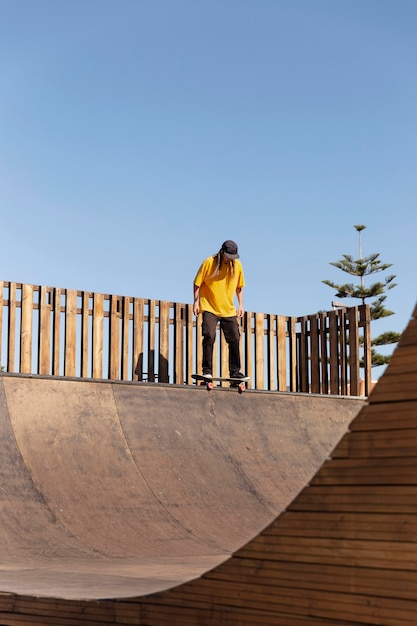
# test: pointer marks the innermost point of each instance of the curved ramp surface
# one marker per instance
(344, 553)
(114, 490)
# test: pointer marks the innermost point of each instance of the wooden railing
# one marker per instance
(64, 332)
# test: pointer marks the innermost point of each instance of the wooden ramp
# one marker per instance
(114, 490)
(208, 508)
(124, 489)
(344, 553)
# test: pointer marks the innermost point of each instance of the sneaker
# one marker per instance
(207, 375)
(237, 375)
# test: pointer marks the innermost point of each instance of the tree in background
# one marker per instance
(361, 267)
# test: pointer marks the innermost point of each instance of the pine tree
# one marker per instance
(361, 267)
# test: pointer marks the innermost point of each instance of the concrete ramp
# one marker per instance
(114, 490)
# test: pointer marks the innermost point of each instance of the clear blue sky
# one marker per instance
(137, 135)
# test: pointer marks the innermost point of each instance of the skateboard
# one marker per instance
(239, 383)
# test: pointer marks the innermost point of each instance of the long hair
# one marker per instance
(220, 262)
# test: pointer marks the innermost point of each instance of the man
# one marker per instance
(218, 280)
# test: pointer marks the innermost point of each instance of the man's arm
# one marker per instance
(196, 303)
(239, 294)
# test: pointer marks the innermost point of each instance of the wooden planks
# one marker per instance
(345, 551)
(51, 331)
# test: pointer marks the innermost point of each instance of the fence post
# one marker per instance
(324, 354)
(342, 352)
(138, 326)
(11, 328)
(303, 355)
(98, 323)
(247, 345)
(192, 349)
(126, 302)
(85, 300)
(26, 315)
(367, 349)
(292, 331)
(163, 342)
(70, 332)
(56, 350)
(314, 353)
(179, 313)
(1, 321)
(271, 321)
(259, 350)
(334, 352)
(151, 340)
(45, 308)
(354, 359)
(282, 352)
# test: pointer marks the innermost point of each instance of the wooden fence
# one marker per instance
(65, 332)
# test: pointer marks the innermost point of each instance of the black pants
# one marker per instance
(230, 329)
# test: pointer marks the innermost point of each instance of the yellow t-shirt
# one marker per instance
(217, 294)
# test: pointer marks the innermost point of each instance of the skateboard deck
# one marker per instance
(240, 383)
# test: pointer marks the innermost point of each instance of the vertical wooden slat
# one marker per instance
(247, 343)
(192, 349)
(70, 332)
(138, 329)
(303, 355)
(84, 348)
(324, 366)
(151, 340)
(282, 352)
(292, 342)
(11, 328)
(334, 355)
(342, 352)
(125, 316)
(240, 322)
(163, 360)
(98, 335)
(1, 323)
(114, 337)
(56, 350)
(45, 308)
(179, 316)
(367, 355)
(26, 316)
(259, 351)
(270, 350)
(353, 350)
(314, 354)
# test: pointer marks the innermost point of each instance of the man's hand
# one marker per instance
(196, 305)
(240, 310)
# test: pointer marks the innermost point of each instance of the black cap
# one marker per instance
(229, 248)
